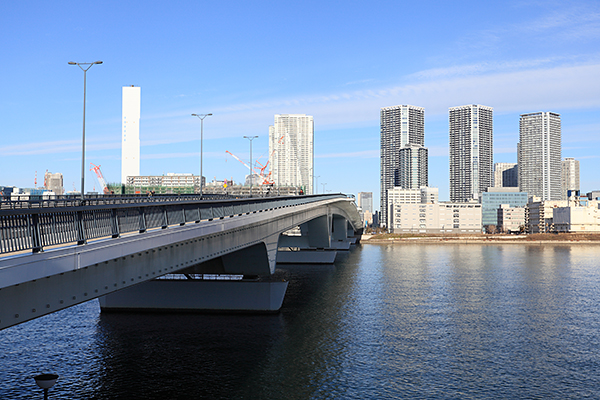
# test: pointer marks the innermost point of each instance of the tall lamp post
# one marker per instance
(323, 187)
(84, 67)
(201, 116)
(250, 138)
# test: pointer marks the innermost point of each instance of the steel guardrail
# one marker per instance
(77, 220)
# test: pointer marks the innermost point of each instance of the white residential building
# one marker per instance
(400, 126)
(471, 151)
(539, 155)
(570, 176)
(291, 139)
(168, 180)
(130, 143)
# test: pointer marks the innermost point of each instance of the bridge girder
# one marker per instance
(42, 283)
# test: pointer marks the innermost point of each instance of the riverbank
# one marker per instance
(539, 238)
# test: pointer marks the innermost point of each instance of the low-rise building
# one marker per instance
(436, 218)
(511, 219)
(496, 196)
(539, 215)
(580, 216)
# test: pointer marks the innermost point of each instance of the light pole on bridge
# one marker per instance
(250, 138)
(89, 65)
(201, 116)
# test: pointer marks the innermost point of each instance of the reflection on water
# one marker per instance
(387, 321)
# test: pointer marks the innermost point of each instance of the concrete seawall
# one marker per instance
(366, 239)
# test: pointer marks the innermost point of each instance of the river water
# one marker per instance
(385, 322)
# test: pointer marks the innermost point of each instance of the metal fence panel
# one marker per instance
(97, 223)
(155, 217)
(175, 215)
(15, 233)
(129, 220)
(191, 214)
(58, 228)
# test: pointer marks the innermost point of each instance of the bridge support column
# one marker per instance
(315, 245)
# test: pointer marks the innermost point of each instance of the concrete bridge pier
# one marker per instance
(240, 281)
(319, 241)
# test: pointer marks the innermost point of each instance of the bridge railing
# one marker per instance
(41, 201)
(34, 229)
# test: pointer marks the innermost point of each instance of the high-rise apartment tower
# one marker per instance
(365, 201)
(291, 140)
(539, 155)
(400, 125)
(570, 176)
(471, 151)
(130, 144)
(412, 167)
(506, 175)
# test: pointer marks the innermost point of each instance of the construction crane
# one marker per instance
(263, 179)
(96, 169)
(266, 179)
(237, 158)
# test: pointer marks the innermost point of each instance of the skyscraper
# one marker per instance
(471, 151)
(400, 125)
(130, 144)
(365, 201)
(291, 140)
(506, 175)
(54, 182)
(570, 176)
(412, 167)
(539, 155)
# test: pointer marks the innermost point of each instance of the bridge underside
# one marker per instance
(246, 245)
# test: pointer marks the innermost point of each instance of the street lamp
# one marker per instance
(250, 138)
(201, 116)
(88, 66)
(323, 187)
(45, 381)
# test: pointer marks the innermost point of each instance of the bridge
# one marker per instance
(58, 253)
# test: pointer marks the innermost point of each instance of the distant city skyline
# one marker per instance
(514, 56)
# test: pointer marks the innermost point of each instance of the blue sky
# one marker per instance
(340, 61)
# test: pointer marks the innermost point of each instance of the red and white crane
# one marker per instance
(96, 169)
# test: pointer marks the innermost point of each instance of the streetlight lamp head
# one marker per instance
(45, 381)
(98, 62)
(72, 63)
(209, 114)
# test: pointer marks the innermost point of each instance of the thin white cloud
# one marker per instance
(541, 88)
(354, 154)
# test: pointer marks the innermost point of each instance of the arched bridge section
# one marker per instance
(56, 257)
